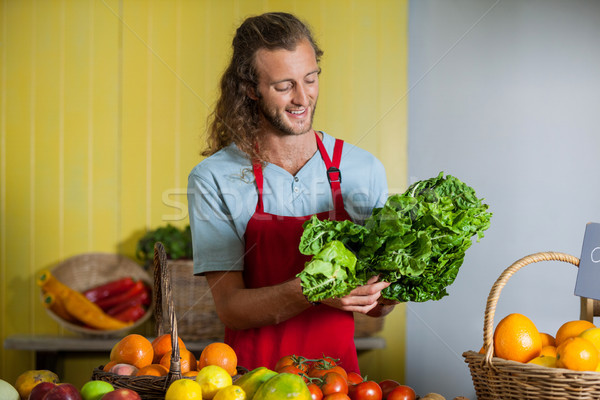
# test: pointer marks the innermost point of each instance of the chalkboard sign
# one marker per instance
(588, 276)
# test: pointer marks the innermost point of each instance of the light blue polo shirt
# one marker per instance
(222, 197)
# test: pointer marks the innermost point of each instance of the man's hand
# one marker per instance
(363, 299)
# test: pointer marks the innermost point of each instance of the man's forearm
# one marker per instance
(242, 308)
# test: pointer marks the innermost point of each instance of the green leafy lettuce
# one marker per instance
(417, 241)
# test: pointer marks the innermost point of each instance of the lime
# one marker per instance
(212, 378)
(231, 392)
(184, 389)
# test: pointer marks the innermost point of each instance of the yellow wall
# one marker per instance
(102, 112)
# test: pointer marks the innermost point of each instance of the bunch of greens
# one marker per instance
(177, 242)
(417, 241)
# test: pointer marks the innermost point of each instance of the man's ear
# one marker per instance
(251, 92)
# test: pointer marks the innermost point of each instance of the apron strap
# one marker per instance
(258, 177)
(334, 175)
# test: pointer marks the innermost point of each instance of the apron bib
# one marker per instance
(272, 257)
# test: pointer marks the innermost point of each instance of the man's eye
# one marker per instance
(283, 88)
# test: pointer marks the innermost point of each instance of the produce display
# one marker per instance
(214, 376)
(574, 346)
(417, 241)
(111, 306)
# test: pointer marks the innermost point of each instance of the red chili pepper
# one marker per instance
(112, 301)
(109, 289)
(131, 314)
(142, 298)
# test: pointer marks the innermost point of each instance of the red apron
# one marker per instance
(272, 257)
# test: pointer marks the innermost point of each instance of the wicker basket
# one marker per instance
(85, 271)
(496, 378)
(153, 387)
(197, 317)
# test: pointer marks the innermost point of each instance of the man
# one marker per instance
(267, 172)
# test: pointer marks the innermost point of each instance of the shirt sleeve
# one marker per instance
(217, 245)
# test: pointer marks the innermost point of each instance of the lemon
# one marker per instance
(232, 392)
(212, 378)
(544, 361)
(184, 389)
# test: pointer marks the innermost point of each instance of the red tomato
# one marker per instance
(387, 385)
(334, 383)
(337, 396)
(367, 390)
(402, 392)
(315, 391)
(354, 378)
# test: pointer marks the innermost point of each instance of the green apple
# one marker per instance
(94, 390)
(7, 391)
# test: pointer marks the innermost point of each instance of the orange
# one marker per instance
(221, 355)
(133, 349)
(109, 365)
(153, 369)
(547, 339)
(577, 354)
(517, 338)
(162, 345)
(187, 360)
(549, 351)
(571, 329)
(191, 373)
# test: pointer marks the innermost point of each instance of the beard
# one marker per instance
(278, 120)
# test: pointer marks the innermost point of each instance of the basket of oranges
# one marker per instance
(519, 362)
(150, 367)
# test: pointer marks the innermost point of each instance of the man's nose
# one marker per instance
(300, 95)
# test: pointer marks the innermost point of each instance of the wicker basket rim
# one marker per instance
(86, 270)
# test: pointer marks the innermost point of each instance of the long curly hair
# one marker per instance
(236, 116)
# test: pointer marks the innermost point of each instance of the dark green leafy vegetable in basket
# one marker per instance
(417, 241)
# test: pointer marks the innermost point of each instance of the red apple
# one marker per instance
(39, 391)
(121, 394)
(63, 391)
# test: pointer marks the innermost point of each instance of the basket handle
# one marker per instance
(163, 293)
(490, 308)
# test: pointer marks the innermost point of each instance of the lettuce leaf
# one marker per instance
(330, 273)
(417, 240)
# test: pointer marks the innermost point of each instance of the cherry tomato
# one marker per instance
(315, 391)
(387, 385)
(337, 396)
(402, 392)
(367, 390)
(292, 369)
(331, 361)
(354, 378)
(319, 371)
(296, 361)
(332, 382)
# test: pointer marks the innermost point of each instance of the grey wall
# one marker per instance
(504, 95)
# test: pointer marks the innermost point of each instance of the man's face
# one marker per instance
(288, 88)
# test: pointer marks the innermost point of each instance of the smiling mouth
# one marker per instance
(298, 112)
